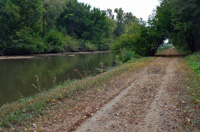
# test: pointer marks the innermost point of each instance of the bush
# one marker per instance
(71, 44)
(126, 55)
(25, 42)
(103, 44)
(143, 41)
(90, 47)
(2, 47)
(55, 41)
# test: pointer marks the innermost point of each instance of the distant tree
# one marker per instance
(30, 13)
(110, 14)
(120, 19)
(52, 10)
(9, 17)
(82, 22)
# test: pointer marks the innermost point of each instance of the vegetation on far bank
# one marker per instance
(49, 26)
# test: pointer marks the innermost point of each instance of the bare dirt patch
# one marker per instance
(145, 106)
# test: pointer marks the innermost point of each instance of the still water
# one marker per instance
(19, 77)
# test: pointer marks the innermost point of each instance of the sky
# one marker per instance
(140, 8)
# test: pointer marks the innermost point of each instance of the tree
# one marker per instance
(179, 21)
(52, 10)
(82, 22)
(30, 13)
(9, 17)
(120, 19)
(110, 14)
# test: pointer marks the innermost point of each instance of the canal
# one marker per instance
(26, 77)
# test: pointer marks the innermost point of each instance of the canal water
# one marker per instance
(24, 77)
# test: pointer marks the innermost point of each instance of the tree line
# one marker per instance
(180, 22)
(176, 20)
(51, 26)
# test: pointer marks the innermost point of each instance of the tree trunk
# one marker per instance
(43, 23)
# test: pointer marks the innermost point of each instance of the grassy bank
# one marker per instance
(194, 62)
(27, 109)
(190, 93)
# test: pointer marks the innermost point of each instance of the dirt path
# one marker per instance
(145, 106)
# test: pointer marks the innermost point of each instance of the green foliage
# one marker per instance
(141, 40)
(193, 91)
(172, 20)
(30, 13)
(194, 61)
(55, 41)
(9, 16)
(71, 44)
(52, 10)
(20, 23)
(2, 48)
(125, 55)
(90, 47)
(36, 26)
(124, 21)
(26, 42)
(21, 115)
(178, 20)
(82, 22)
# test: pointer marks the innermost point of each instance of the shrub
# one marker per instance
(90, 47)
(25, 42)
(2, 47)
(103, 44)
(71, 44)
(126, 55)
(144, 41)
(55, 41)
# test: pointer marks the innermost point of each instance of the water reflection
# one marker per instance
(19, 77)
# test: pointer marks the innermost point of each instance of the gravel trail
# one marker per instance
(145, 106)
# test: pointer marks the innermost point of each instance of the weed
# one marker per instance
(102, 66)
(38, 83)
(78, 72)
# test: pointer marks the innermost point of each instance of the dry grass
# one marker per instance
(189, 100)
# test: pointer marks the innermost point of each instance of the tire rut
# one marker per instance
(137, 108)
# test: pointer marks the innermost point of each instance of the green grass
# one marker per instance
(26, 109)
(194, 62)
(192, 79)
